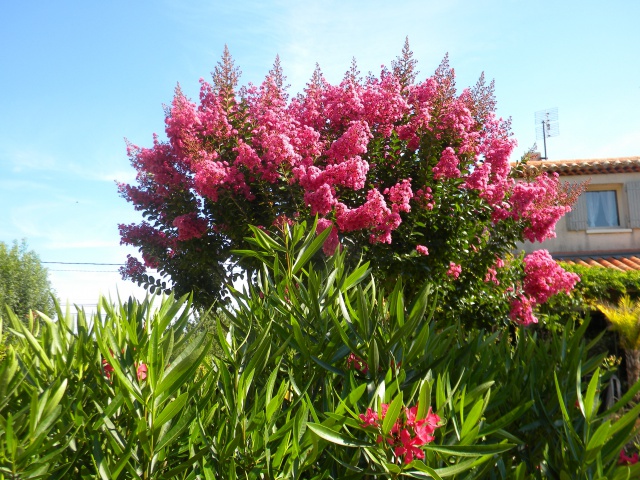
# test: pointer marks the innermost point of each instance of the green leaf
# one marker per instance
(99, 461)
(393, 412)
(309, 250)
(334, 437)
(424, 399)
(596, 442)
(182, 367)
(590, 399)
(470, 450)
(504, 420)
(170, 411)
(473, 416)
(421, 467)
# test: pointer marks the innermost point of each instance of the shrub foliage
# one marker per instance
(320, 373)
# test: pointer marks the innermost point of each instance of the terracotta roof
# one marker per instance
(618, 262)
(586, 166)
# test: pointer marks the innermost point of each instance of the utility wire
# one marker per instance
(84, 263)
(89, 271)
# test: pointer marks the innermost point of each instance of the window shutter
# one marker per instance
(633, 197)
(577, 218)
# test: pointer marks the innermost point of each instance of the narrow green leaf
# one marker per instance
(424, 399)
(421, 467)
(334, 437)
(473, 417)
(596, 442)
(393, 412)
(182, 367)
(470, 450)
(590, 399)
(170, 411)
(99, 461)
(305, 254)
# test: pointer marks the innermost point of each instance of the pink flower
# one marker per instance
(190, 226)
(399, 195)
(545, 278)
(355, 362)
(422, 250)
(522, 311)
(332, 242)
(447, 167)
(454, 270)
(408, 434)
(626, 460)
(107, 368)
(142, 371)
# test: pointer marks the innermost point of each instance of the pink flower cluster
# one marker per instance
(356, 363)
(374, 215)
(400, 195)
(332, 242)
(408, 434)
(543, 279)
(141, 370)
(132, 269)
(190, 226)
(348, 153)
(626, 459)
(537, 202)
(454, 270)
(447, 167)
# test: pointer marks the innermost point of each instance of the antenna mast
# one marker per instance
(547, 126)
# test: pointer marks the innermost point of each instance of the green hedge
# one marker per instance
(308, 354)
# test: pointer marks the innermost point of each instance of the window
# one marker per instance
(602, 209)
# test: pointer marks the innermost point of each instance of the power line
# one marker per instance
(85, 263)
(89, 271)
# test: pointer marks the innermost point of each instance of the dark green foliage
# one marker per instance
(279, 398)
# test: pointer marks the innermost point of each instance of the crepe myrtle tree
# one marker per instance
(409, 174)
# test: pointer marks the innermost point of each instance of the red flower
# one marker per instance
(142, 371)
(626, 460)
(107, 368)
(408, 433)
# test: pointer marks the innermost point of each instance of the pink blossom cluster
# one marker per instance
(190, 226)
(332, 242)
(492, 272)
(543, 279)
(132, 269)
(447, 167)
(374, 215)
(400, 195)
(454, 270)
(537, 203)
(356, 363)
(347, 153)
(625, 459)
(408, 434)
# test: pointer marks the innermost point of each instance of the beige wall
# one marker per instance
(602, 240)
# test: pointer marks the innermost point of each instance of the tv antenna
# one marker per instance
(547, 126)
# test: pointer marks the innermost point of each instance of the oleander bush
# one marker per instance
(312, 371)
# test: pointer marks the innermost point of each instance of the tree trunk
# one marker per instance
(632, 358)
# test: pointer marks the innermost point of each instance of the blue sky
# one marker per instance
(77, 77)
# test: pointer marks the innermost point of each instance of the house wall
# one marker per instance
(625, 238)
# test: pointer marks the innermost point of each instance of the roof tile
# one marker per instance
(585, 166)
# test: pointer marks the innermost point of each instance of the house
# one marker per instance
(603, 227)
